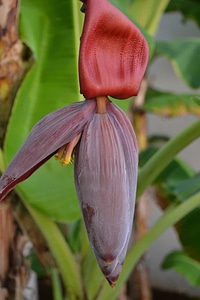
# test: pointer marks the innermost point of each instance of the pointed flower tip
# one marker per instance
(112, 280)
(65, 153)
(113, 52)
(112, 283)
(111, 271)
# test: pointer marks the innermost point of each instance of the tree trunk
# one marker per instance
(14, 269)
(13, 266)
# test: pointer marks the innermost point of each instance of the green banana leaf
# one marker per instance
(170, 104)
(184, 265)
(148, 13)
(189, 8)
(125, 7)
(177, 183)
(188, 229)
(176, 172)
(57, 288)
(92, 276)
(51, 30)
(184, 56)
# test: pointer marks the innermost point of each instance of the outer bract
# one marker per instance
(47, 136)
(113, 52)
(105, 178)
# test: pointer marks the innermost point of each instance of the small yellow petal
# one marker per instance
(64, 154)
(66, 161)
(60, 153)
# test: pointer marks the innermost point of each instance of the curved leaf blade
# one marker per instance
(184, 265)
(189, 8)
(184, 55)
(170, 105)
(148, 13)
(125, 7)
(47, 27)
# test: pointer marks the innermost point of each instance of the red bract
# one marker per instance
(113, 53)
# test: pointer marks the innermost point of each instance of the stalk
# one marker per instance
(59, 248)
(164, 155)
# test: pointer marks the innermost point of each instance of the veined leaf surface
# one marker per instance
(51, 30)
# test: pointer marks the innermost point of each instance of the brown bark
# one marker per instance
(14, 269)
(29, 227)
(17, 228)
(12, 60)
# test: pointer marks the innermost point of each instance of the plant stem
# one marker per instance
(78, 18)
(172, 215)
(57, 289)
(60, 250)
(2, 164)
(165, 154)
(148, 13)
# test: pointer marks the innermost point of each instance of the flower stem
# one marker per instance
(57, 289)
(59, 248)
(77, 29)
(101, 104)
(2, 164)
(165, 154)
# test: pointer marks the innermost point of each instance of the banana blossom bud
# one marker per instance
(106, 161)
(112, 61)
(105, 169)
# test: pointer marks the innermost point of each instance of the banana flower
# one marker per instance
(112, 61)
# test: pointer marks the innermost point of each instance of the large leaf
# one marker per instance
(184, 265)
(148, 13)
(184, 55)
(92, 276)
(177, 184)
(187, 187)
(57, 288)
(189, 8)
(175, 173)
(170, 104)
(51, 30)
(188, 229)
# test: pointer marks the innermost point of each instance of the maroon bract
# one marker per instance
(113, 58)
(106, 160)
(113, 53)
(45, 139)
